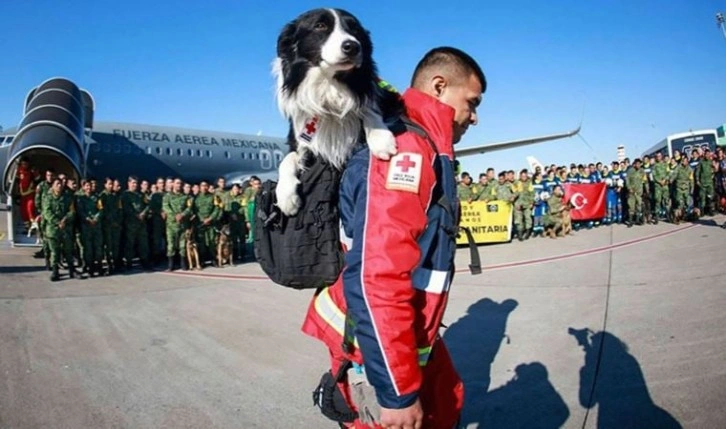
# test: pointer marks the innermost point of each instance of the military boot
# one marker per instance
(527, 234)
(71, 269)
(54, 277)
(184, 266)
(47, 262)
(520, 235)
(171, 264)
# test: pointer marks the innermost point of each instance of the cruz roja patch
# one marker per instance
(404, 172)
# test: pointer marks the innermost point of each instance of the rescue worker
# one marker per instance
(523, 205)
(634, 182)
(135, 207)
(90, 212)
(660, 188)
(111, 223)
(207, 212)
(177, 211)
(540, 204)
(250, 193)
(59, 213)
(26, 189)
(394, 305)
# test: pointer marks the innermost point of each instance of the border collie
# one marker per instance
(328, 88)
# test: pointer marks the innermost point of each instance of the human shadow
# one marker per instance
(19, 269)
(612, 379)
(528, 400)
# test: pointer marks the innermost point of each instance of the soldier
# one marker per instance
(135, 208)
(634, 182)
(483, 189)
(704, 182)
(553, 219)
(250, 193)
(40, 192)
(648, 191)
(207, 212)
(682, 184)
(158, 229)
(111, 225)
(90, 212)
(523, 205)
(235, 208)
(463, 189)
(59, 213)
(503, 190)
(221, 198)
(177, 211)
(660, 188)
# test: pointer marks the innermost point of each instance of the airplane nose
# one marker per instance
(350, 48)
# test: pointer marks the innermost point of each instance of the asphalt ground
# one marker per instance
(223, 349)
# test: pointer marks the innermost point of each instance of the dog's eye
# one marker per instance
(321, 26)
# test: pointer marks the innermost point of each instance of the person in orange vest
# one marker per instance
(26, 187)
(399, 219)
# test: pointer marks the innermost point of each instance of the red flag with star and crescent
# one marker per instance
(586, 199)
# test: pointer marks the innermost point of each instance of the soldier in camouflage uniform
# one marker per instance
(177, 210)
(660, 188)
(40, 192)
(135, 207)
(90, 212)
(704, 176)
(524, 190)
(552, 221)
(634, 182)
(111, 222)
(158, 229)
(236, 205)
(503, 190)
(463, 189)
(59, 213)
(249, 195)
(682, 185)
(207, 213)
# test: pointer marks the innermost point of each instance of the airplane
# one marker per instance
(58, 131)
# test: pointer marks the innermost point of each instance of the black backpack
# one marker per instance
(303, 251)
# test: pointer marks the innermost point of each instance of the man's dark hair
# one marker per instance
(490, 169)
(458, 61)
(465, 174)
(134, 178)
(482, 175)
(524, 170)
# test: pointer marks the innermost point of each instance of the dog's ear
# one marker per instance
(286, 42)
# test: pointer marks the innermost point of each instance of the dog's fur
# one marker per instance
(224, 247)
(35, 227)
(566, 220)
(325, 70)
(192, 251)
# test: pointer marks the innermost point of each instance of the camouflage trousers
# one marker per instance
(112, 241)
(137, 241)
(59, 244)
(176, 242)
(92, 244)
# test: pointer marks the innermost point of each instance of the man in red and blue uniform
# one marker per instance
(399, 220)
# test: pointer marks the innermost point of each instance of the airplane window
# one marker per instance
(226, 154)
(199, 152)
(209, 153)
(158, 150)
(257, 156)
(148, 150)
(190, 152)
(117, 148)
(243, 155)
(168, 151)
(106, 148)
(9, 140)
(178, 152)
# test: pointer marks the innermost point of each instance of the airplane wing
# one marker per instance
(476, 150)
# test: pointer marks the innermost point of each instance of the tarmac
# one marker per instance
(222, 348)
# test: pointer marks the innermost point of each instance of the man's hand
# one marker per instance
(405, 418)
(178, 217)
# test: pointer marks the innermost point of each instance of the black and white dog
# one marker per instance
(328, 88)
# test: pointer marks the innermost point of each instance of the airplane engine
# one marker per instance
(51, 133)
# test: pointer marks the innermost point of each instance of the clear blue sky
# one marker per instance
(646, 68)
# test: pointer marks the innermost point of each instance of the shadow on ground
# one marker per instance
(528, 400)
(612, 379)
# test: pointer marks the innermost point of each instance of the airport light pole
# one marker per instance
(721, 23)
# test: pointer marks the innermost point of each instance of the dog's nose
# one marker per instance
(350, 48)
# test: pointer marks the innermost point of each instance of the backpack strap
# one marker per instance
(440, 195)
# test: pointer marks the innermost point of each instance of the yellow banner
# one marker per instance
(489, 222)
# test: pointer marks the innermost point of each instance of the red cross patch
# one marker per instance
(404, 172)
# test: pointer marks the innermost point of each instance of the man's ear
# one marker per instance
(438, 83)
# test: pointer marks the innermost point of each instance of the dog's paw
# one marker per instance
(382, 143)
(287, 198)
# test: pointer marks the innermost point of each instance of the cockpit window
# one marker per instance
(6, 140)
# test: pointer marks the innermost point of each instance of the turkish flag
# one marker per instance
(586, 199)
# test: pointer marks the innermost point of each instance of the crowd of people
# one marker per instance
(103, 231)
(677, 188)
